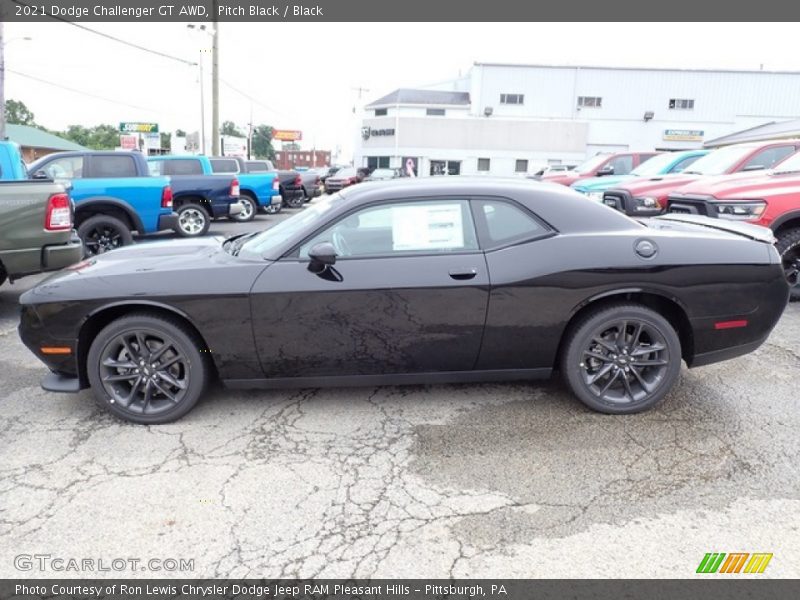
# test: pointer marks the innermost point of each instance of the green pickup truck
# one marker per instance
(36, 229)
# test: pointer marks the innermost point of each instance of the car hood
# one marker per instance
(567, 178)
(659, 185)
(137, 270)
(598, 184)
(745, 186)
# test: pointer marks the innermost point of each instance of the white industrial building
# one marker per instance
(505, 119)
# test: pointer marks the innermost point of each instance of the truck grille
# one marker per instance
(690, 206)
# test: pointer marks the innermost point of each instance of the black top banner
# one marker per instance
(405, 11)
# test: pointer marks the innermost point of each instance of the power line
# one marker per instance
(69, 89)
(115, 39)
(252, 99)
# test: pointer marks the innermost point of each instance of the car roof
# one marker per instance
(563, 208)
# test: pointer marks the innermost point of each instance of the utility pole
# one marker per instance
(215, 85)
(2, 84)
(202, 109)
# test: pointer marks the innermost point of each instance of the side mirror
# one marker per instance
(40, 174)
(607, 170)
(322, 256)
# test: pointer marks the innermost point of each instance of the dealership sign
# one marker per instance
(138, 127)
(684, 135)
(367, 132)
(287, 135)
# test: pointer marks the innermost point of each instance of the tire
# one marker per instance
(273, 209)
(306, 196)
(249, 211)
(3, 274)
(103, 233)
(294, 202)
(193, 220)
(788, 246)
(606, 371)
(167, 393)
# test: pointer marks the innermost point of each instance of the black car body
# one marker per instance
(312, 187)
(474, 279)
(291, 186)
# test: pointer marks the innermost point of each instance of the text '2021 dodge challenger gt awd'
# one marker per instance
(422, 281)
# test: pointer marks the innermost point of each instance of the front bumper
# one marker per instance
(168, 221)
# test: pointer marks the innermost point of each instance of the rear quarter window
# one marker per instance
(183, 166)
(503, 223)
(113, 166)
(221, 165)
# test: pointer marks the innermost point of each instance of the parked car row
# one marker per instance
(755, 182)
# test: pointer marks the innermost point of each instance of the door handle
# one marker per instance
(462, 274)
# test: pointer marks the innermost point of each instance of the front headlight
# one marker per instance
(596, 196)
(740, 211)
(646, 203)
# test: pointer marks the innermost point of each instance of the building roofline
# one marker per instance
(622, 68)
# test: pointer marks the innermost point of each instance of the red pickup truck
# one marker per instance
(771, 200)
(649, 197)
(600, 164)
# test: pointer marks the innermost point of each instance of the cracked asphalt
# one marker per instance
(501, 480)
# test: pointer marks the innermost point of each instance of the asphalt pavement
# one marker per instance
(493, 480)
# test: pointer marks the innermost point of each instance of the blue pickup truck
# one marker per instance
(113, 195)
(197, 197)
(257, 190)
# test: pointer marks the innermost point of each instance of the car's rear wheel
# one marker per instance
(273, 209)
(788, 246)
(193, 220)
(249, 208)
(294, 201)
(621, 359)
(147, 369)
(103, 233)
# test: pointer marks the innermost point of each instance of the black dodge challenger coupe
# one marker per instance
(420, 281)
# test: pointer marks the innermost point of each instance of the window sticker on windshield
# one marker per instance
(433, 227)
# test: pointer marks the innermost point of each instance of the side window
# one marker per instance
(682, 165)
(766, 158)
(430, 227)
(155, 167)
(113, 166)
(506, 223)
(69, 167)
(622, 164)
(183, 166)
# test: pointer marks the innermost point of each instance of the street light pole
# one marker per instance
(2, 85)
(202, 108)
(215, 85)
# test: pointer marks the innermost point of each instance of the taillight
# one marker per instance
(59, 213)
(298, 181)
(235, 187)
(276, 184)
(166, 197)
(317, 180)
(351, 181)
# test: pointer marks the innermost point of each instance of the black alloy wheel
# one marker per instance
(101, 234)
(788, 246)
(622, 359)
(147, 369)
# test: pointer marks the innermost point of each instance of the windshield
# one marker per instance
(790, 164)
(591, 165)
(719, 161)
(654, 166)
(346, 173)
(268, 240)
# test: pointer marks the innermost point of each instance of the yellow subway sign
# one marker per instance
(128, 127)
(734, 563)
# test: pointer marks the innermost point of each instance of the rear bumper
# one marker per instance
(51, 257)
(168, 221)
(62, 255)
(235, 208)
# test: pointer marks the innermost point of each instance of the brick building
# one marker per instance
(289, 159)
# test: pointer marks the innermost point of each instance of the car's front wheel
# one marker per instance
(788, 246)
(147, 368)
(621, 359)
(193, 220)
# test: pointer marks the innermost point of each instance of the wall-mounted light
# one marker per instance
(649, 115)
(487, 112)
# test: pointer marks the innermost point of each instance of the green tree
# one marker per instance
(262, 142)
(18, 114)
(104, 137)
(229, 128)
(166, 141)
(78, 134)
(180, 133)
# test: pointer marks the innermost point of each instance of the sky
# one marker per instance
(306, 76)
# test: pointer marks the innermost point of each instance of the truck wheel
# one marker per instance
(249, 208)
(294, 202)
(147, 368)
(788, 246)
(621, 359)
(193, 220)
(102, 233)
(273, 209)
